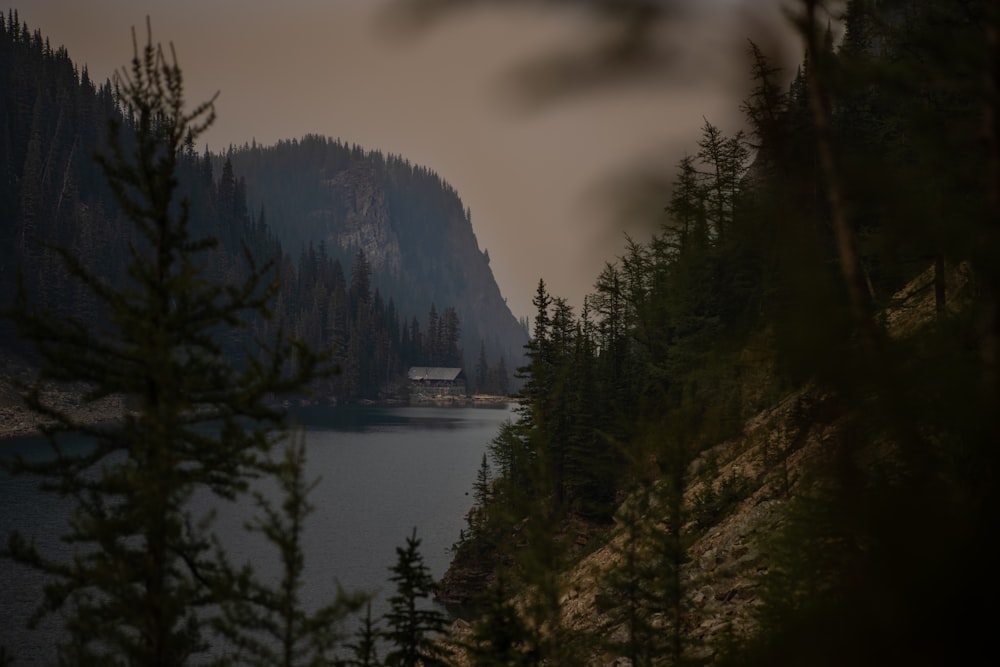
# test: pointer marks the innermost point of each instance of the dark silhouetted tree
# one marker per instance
(145, 579)
(270, 623)
(364, 648)
(411, 623)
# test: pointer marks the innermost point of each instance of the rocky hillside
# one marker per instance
(736, 501)
(411, 225)
(18, 420)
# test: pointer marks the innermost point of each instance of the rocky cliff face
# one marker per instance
(411, 225)
(358, 217)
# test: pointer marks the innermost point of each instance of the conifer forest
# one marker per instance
(820, 296)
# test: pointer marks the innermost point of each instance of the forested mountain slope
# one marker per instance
(377, 261)
(770, 436)
(410, 224)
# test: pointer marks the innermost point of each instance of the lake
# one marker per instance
(384, 471)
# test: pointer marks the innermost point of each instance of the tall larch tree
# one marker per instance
(144, 577)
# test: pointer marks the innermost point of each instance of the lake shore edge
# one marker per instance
(16, 420)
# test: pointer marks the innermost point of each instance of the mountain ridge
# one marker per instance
(53, 118)
(411, 225)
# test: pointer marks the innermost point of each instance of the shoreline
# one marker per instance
(18, 421)
(444, 400)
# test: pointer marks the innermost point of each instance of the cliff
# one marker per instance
(412, 226)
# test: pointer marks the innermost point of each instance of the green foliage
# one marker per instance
(624, 599)
(439, 260)
(712, 504)
(644, 593)
(269, 624)
(644, 378)
(410, 623)
(854, 577)
(865, 175)
(57, 118)
(499, 635)
(491, 378)
(364, 650)
(146, 581)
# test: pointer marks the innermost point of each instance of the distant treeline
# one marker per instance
(54, 118)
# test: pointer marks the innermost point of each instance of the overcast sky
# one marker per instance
(536, 179)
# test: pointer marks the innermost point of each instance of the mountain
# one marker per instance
(410, 224)
(364, 247)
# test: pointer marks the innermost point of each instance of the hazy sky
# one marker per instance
(537, 180)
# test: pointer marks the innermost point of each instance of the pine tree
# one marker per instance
(451, 335)
(501, 379)
(411, 624)
(764, 107)
(364, 650)
(482, 370)
(360, 289)
(725, 160)
(499, 636)
(269, 624)
(478, 518)
(432, 340)
(145, 578)
(539, 369)
(624, 600)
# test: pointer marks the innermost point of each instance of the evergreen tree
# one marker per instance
(624, 599)
(499, 635)
(538, 371)
(725, 160)
(361, 289)
(269, 624)
(432, 340)
(478, 518)
(501, 378)
(145, 579)
(687, 203)
(764, 108)
(482, 370)
(856, 178)
(364, 650)
(411, 624)
(451, 335)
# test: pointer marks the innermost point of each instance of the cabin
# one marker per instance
(450, 379)
(436, 385)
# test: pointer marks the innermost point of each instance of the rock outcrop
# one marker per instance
(412, 227)
(728, 560)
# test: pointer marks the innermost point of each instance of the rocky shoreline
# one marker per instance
(17, 420)
(460, 401)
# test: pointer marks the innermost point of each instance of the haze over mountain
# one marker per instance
(448, 98)
(368, 245)
(410, 224)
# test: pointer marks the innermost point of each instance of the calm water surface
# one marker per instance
(384, 472)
